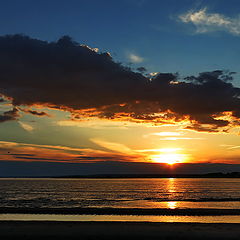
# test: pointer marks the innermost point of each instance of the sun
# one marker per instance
(169, 156)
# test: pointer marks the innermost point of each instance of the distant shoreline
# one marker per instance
(112, 176)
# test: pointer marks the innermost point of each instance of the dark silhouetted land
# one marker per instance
(168, 175)
(208, 175)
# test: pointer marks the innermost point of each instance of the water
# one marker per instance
(121, 193)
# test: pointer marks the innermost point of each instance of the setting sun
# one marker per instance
(169, 156)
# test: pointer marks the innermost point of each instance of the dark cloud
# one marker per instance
(9, 115)
(104, 158)
(36, 113)
(19, 154)
(62, 74)
(66, 75)
(37, 159)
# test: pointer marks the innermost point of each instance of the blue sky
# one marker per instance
(46, 94)
(149, 29)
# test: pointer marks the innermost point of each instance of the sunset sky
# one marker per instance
(131, 86)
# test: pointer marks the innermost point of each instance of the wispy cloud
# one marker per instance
(161, 150)
(134, 58)
(116, 147)
(234, 147)
(13, 151)
(180, 138)
(230, 146)
(26, 126)
(209, 22)
(95, 123)
(167, 134)
(173, 136)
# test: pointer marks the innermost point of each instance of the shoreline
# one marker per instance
(133, 176)
(124, 211)
(117, 230)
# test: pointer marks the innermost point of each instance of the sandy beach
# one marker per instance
(116, 230)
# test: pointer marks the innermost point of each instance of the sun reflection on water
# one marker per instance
(171, 188)
(172, 205)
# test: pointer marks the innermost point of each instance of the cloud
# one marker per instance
(211, 22)
(167, 134)
(71, 77)
(116, 147)
(26, 126)
(96, 124)
(13, 151)
(172, 136)
(230, 147)
(133, 58)
(179, 138)
(36, 113)
(235, 147)
(161, 150)
(9, 115)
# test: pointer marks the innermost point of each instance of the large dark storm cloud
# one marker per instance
(70, 76)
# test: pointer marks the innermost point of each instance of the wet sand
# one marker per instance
(117, 230)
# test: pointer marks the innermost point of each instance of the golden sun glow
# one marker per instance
(169, 156)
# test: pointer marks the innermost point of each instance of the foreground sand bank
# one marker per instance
(117, 230)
